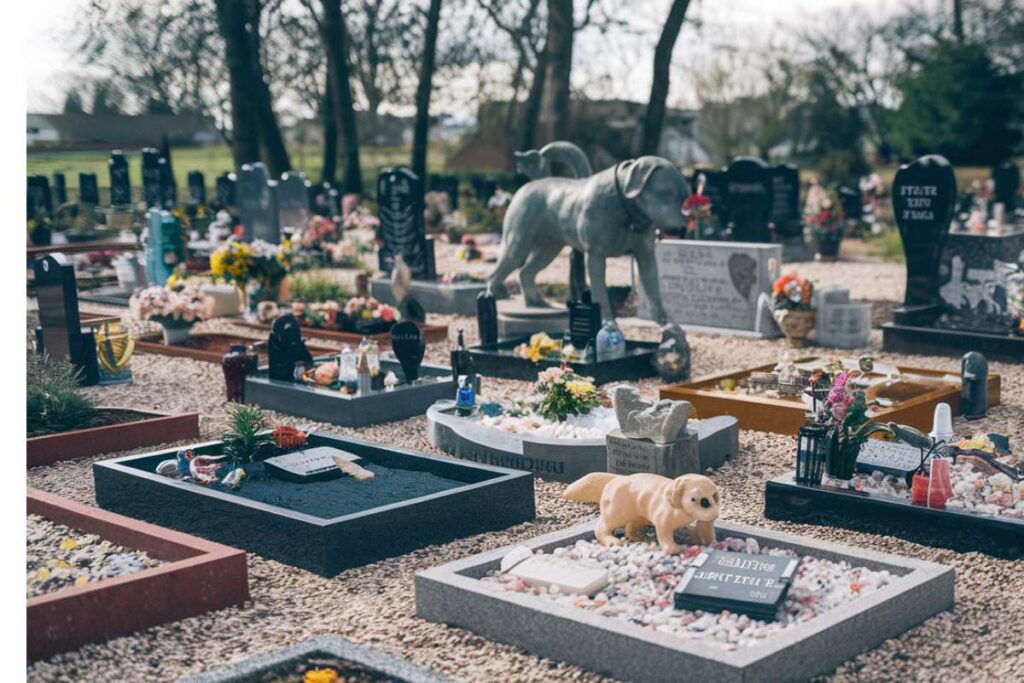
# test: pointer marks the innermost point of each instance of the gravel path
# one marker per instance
(374, 605)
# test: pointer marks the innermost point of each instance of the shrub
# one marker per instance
(54, 402)
(311, 288)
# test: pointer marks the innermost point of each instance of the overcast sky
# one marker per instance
(615, 65)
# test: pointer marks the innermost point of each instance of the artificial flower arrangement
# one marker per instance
(369, 316)
(318, 231)
(360, 218)
(182, 303)
(823, 213)
(348, 252)
(231, 262)
(697, 209)
(791, 292)
(540, 346)
(270, 264)
(565, 393)
(845, 414)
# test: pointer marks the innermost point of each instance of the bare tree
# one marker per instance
(553, 118)
(655, 118)
(232, 18)
(421, 128)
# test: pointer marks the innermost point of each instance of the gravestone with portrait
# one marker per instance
(120, 182)
(293, 200)
(257, 204)
(60, 333)
(721, 287)
(152, 178)
(88, 189)
(957, 287)
(60, 189)
(749, 193)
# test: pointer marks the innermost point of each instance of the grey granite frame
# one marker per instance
(435, 297)
(330, 646)
(555, 459)
(352, 410)
(452, 594)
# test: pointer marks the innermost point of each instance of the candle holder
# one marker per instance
(811, 450)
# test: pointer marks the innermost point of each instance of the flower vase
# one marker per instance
(796, 324)
(175, 330)
(841, 461)
(828, 248)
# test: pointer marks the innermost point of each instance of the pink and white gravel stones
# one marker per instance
(642, 580)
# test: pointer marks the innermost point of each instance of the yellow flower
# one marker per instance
(320, 676)
(68, 544)
(579, 388)
(61, 564)
(80, 581)
(42, 574)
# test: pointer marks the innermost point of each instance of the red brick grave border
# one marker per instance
(197, 576)
(79, 443)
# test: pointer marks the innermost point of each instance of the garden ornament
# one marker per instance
(633, 501)
(611, 213)
(660, 421)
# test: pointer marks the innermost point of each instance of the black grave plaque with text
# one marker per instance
(39, 197)
(400, 201)
(225, 187)
(407, 344)
(786, 200)
(120, 182)
(88, 189)
(152, 188)
(749, 197)
(747, 583)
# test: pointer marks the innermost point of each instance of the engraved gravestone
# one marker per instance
(976, 275)
(152, 181)
(120, 182)
(88, 189)
(749, 197)
(39, 198)
(60, 188)
(285, 349)
(225, 188)
(717, 285)
(630, 456)
(60, 332)
(786, 200)
(196, 187)
(256, 206)
(407, 343)
(293, 200)
(838, 323)
(1006, 179)
(400, 201)
(584, 320)
(923, 197)
(891, 457)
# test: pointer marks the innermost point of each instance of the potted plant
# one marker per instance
(565, 393)
(249, 436)
(791, 307)
(845, 413)
(175, 309)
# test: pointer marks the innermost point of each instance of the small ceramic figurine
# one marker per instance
(633, 501)
(390, 381)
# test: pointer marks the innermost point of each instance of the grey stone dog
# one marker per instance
(611, 213)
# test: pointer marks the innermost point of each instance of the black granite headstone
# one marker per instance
(88, 189)
(120, 182)
(407, 343)
(448, 184)
(39, 198)
(1006, 178)
(60, 332)
(584, 320)
(168, 188)
(853, 205)
(152, 188)
(60, 188)
(400, 201)
(786, 200)
(923, 197)
(715, 183)
(196, 187)
(285, 348)
(226, 185)
(487, 318)
(485, 188)
(749, 197)
(745, 583)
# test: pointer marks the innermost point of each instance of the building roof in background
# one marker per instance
(108, 131)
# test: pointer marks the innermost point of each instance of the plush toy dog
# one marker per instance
(633, 501)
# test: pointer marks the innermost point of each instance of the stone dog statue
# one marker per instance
(611, 213)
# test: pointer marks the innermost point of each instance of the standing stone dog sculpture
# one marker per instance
(611, 213)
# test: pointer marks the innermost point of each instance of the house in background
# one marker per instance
(113, 131)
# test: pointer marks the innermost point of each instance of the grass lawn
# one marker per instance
(216, 159)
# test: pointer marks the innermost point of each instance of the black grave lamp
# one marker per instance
(812, 445)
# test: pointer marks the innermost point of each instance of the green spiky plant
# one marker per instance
(248, 435)
(54, 403)
(312, 288)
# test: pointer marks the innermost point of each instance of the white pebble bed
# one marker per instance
(643, 578)
(995, 495)
(594, 425)
(59, 556)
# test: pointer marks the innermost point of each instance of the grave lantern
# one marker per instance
(811, 450)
